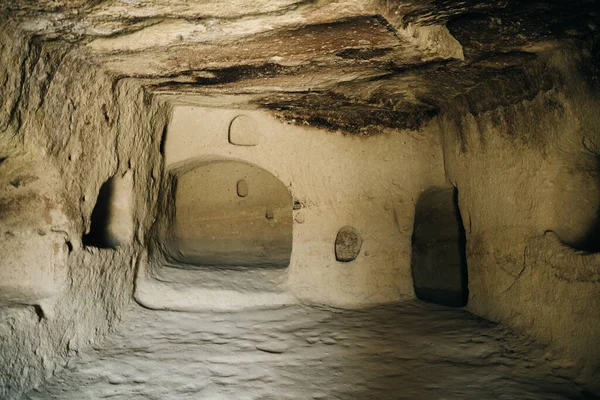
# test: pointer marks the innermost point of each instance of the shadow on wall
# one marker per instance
(578, 206)
(227, 212)
(439, 263)
(590, 241)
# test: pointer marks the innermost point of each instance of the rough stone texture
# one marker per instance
(411, 351)
(65, 115)
(522, 171)
(439, 265)
(347, 244)
(33, 228)
(500, 98)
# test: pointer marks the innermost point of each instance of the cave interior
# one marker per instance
(294, 199)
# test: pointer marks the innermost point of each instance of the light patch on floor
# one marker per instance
(409, 351)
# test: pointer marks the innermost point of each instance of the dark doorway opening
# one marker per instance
(439, 264)
(99, 235)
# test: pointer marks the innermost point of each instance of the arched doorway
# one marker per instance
(227, 212)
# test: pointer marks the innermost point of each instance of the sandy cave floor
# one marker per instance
(408, 351)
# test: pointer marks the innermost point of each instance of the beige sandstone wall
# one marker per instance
(528, 179)
(369, 183)
(82, 127)
(65, 128)
(521, 170)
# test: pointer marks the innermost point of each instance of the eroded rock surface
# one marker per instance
(380, 100)
(34, 225)
(413, 351)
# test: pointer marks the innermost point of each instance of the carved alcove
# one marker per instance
(223, 238)
(228, 213)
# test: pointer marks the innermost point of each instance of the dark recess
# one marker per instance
(163, 140)
(590, 243)
(439, 263)
(99, 235)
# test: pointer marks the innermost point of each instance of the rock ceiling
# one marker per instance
(350, 64)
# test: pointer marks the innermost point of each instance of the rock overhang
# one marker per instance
(351, 65)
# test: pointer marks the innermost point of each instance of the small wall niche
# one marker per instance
(243, 131)
(576, 204)
(347, 244)
(111, 220)
(590, 239)
(439, 266)
(228, 213)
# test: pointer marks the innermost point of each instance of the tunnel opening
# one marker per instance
(439, 262)
(228, 213)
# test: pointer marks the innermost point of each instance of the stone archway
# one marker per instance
(228, 213)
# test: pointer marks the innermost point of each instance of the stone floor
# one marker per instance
(409, 351)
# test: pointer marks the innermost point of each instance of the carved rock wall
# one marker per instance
(335, 180)
(66, 128)
(88, 89)
(525, 172)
